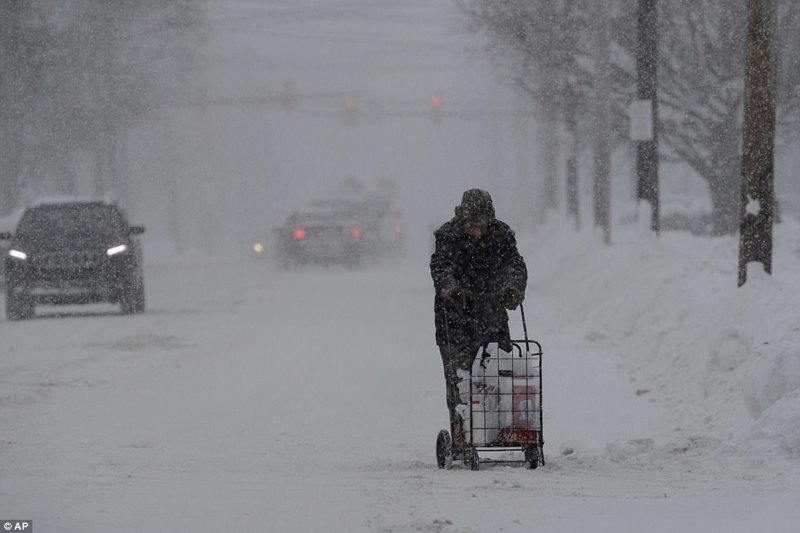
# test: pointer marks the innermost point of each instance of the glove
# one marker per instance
(510, 298)
(458, 297)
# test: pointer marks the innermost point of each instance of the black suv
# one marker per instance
(73, 253)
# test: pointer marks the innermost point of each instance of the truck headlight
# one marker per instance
(117, 250)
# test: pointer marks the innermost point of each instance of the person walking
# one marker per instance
(478, 274)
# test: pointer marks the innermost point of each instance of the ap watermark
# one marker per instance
(25, 526)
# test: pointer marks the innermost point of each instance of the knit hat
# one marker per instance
(476, 205)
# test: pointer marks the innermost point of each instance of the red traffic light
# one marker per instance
(436, 108)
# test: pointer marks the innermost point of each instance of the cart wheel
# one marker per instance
(474, 460)
(532, 455)
(444, 450)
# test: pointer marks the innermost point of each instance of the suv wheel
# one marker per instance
(132, 297)
(18, 307)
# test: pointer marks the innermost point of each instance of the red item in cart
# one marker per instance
(524, 399)
(525, 415)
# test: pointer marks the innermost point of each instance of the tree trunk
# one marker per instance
(602, 152)
(102, 159)
(573, 197)
(549, 158)
(11, 103)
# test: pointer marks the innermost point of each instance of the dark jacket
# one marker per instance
(486, 266)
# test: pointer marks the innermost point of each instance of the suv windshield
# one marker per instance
(70, 219)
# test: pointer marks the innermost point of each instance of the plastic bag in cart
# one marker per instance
(501, 396)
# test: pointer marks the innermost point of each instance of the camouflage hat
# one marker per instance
(476, 205)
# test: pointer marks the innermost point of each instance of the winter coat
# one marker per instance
(486, 266)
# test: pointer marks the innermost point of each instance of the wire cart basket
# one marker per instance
(500, 408)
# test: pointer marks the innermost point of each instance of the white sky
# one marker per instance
(242, 169)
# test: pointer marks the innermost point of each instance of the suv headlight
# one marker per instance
(18, 254)
(117, 250)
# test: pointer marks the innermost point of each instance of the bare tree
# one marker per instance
(16, 48)
(78, 75)
(701, 65)
(131, 55)
(534, 44)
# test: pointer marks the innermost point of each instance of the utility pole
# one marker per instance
(647, 91)
(758, 139)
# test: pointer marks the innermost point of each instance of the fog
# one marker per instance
(242, 159)
(211, 121)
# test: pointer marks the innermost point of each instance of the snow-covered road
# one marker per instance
(248, 399)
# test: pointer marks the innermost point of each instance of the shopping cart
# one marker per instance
(500, 408)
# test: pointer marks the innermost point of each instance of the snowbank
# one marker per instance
(725, 360)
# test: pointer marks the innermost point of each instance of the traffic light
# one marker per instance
(351, 113)
(436, 108)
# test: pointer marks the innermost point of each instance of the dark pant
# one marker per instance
(455, 358)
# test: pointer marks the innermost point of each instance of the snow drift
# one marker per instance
(725, 360)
